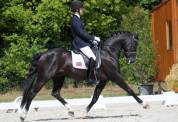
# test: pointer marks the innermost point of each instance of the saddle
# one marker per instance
(81, 61)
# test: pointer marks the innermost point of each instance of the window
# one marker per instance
(169, 35)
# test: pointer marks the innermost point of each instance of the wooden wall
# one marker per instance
(175, 10)
(164, 58)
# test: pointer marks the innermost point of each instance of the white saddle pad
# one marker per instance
(78, 61)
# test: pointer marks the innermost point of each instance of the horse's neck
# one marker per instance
(113, 52)
(115, 49)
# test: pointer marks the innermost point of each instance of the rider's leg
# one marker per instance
(92, 64)
(88, 52)
(90, 73)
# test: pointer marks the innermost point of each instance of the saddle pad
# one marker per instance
(78, 61)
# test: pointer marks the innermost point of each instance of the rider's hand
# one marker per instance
(95, 43)
(97, 39)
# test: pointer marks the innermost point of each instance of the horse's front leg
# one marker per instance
(100, 86)
(116, 77)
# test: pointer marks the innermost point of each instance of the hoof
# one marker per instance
(86, 114)
(87, 109)
(146, 105)
(71, 113)
(22, 119)
(36, 109)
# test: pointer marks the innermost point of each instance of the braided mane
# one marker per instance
(115, 36)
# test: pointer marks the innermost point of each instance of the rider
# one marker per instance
(82, 40)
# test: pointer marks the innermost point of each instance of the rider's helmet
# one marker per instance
(76, 5)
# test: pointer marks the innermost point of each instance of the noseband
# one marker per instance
(131, 53)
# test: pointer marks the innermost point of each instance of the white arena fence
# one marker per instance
(167, 99)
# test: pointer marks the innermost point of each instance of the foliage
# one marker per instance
(138, 20)
(149, 4)
(27, 29)
(146, 4)
(106, 16)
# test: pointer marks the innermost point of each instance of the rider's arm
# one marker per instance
(80, 32)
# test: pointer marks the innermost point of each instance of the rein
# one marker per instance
(134, 52)
(110, 47)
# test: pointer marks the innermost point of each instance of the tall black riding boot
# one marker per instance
(90, 73)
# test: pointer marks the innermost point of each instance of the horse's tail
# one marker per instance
(28, 83)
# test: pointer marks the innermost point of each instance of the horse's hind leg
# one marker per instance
(57, 85)
(32, 93)
(96, 94)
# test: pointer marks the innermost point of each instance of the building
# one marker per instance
(165, 36)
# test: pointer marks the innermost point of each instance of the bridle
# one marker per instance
(126, 52)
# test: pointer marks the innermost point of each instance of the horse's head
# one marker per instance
(123, 41)
(130, 47)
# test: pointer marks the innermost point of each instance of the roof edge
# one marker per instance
(159, 5)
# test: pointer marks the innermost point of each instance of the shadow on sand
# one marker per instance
(90, 117)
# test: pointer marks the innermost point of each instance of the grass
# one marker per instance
(70, 92)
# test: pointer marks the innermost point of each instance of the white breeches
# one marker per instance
(88, 52)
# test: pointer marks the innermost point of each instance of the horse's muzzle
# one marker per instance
(131, 60)
(131, 57)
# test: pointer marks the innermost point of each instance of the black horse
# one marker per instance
(56, 64)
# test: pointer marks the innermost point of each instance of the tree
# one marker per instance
(27, 30)
(149, 4)
(146, 4)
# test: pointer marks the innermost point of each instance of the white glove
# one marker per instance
(95, 43)
(97, 39)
